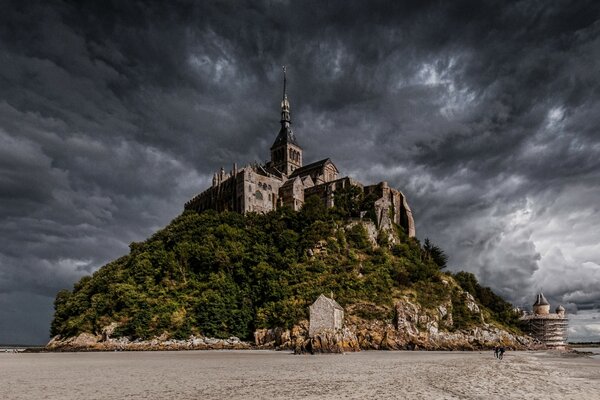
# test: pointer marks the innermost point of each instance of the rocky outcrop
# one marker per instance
(340, 341)
(417, 328)
(370, 229)
(281, 339)
(89, 342)
(413, 328)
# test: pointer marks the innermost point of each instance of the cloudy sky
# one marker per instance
(485, 114)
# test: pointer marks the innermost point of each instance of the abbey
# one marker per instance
(286, 181)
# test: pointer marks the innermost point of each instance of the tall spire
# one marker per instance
(285, 104)
(284, 83)
(286, 153)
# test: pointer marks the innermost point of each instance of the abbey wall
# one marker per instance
(285, 181)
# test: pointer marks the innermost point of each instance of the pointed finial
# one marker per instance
(285, 104)
(284, 81)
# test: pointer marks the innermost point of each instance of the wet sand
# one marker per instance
(279, 375)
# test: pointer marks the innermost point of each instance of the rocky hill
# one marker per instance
(211, 280)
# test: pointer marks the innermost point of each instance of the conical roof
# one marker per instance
(541, 300)
(560, 308)
(286, 135)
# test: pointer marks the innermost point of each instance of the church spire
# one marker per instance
(286, 153)
(285, 104)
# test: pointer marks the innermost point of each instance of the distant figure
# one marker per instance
(501, 351)
(496, 350)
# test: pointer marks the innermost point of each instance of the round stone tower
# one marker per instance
(560, 310)
(541, 305)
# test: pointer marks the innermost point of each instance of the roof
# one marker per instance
(541, 300)
(317, 164)
(290, 182)
(331, 302)
(286, 135)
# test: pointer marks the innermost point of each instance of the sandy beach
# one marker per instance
(279, 375)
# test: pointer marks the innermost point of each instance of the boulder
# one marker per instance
(108, 330)
(328, 341)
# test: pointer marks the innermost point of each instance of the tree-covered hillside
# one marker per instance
(227, 274)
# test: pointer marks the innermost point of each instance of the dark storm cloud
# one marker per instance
(485, 114)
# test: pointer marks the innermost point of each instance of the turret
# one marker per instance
(541, 305)
(560, 310)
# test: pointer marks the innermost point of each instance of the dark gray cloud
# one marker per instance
(485, 114)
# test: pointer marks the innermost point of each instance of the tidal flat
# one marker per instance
(281, 375)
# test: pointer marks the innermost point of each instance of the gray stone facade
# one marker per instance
(325, 315)
(285, 181)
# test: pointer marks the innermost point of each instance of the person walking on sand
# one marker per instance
(496, 351)
(501, 353)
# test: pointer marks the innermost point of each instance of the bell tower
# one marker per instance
(286, 153)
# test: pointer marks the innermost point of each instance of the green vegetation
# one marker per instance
(435, 254)
(224, 274)
(502, 310)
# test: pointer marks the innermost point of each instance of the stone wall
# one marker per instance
(261, 192)
(292, 194)
(223, 196)
(253, 189)
(325, 191)
(391, 206)
(246, 190)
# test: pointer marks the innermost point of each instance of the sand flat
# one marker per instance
(279, 375)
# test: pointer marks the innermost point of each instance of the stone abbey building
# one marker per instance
(286, 181)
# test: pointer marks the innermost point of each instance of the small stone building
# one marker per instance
(325, 314)
(548, 328)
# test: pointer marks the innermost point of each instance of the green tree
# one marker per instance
(435, 254)
(348, 201)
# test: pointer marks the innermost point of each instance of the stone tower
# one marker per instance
(286, 153)
(549, 328)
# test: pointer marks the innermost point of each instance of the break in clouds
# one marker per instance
(485, 114)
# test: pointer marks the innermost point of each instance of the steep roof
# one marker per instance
(541, 300)
(331, 302)
(307, 168)
(286, 135)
